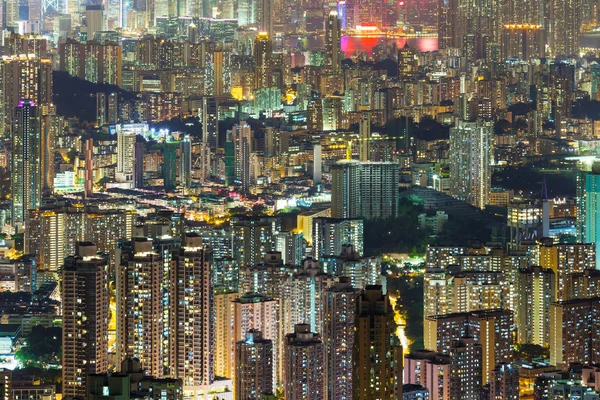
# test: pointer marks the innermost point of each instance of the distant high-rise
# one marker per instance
(333, 37)
(125, 156)
(185, 162)
(85, 319)
(95, 20)
(242, 137)
(364, 190)
(263, 53)
(565, 27)
(26, 165)
(470, 171)
(23, 77)
(339, 308)
(364, 131)
(565, 260)
(302, 299)
(100, 108)
(588, 207)
(303, 364)
(377, 359)
(89, 168)
(535, 292)
(448, 24)
(331, 234)
(169, 166)
(191, 314)
(254, 366)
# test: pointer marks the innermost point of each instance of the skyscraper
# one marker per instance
(302, 299)
(364, 190)
(125, 156)
(575, 332)
(169, 166)
(376, 356)
(504, 383)
(263, 53)
(242, 137)
(490, 328)
(85, 318)
(364, 131)
(139, 306)
(303, 364)
(26, 165)
(254, 311)
(333, 50)
(465, 369)
(190, 317)
(254, 366)
(565, 260)
(535, 292)
(588, 207)
(23, 77)
(565, 27)
(329, 235)
(339, 308)
(470, 152)
(185, 163)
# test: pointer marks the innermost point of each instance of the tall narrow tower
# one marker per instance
(26, 182)
(190, 318)
(85, 318)
(333, 33)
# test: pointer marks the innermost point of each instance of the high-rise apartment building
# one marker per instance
(302, 301)
(93, 61)
(429, 369)
(125, 156)
(333, 37)
(191, 313)
(339, 308)
(504, 382)
(224, 332)
(24, 76)
(26, 165)
(254, 367)
(377, 359)
(85, 318)
(185, 162)
(465, 369)
(303, 364)
(140, 324)
(364, 190)
(535, 293)
(263, 68)
(330, 235)
(253, 238)
(242, 139)
(254, 311)
(575, 332)
(588, 206)
(565, 27)
(565, 260)
(493, 329)
(470, 157)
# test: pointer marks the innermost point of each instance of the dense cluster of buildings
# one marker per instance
(169, 257)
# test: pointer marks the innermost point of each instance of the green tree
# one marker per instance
(529, 351)
(42, 346)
